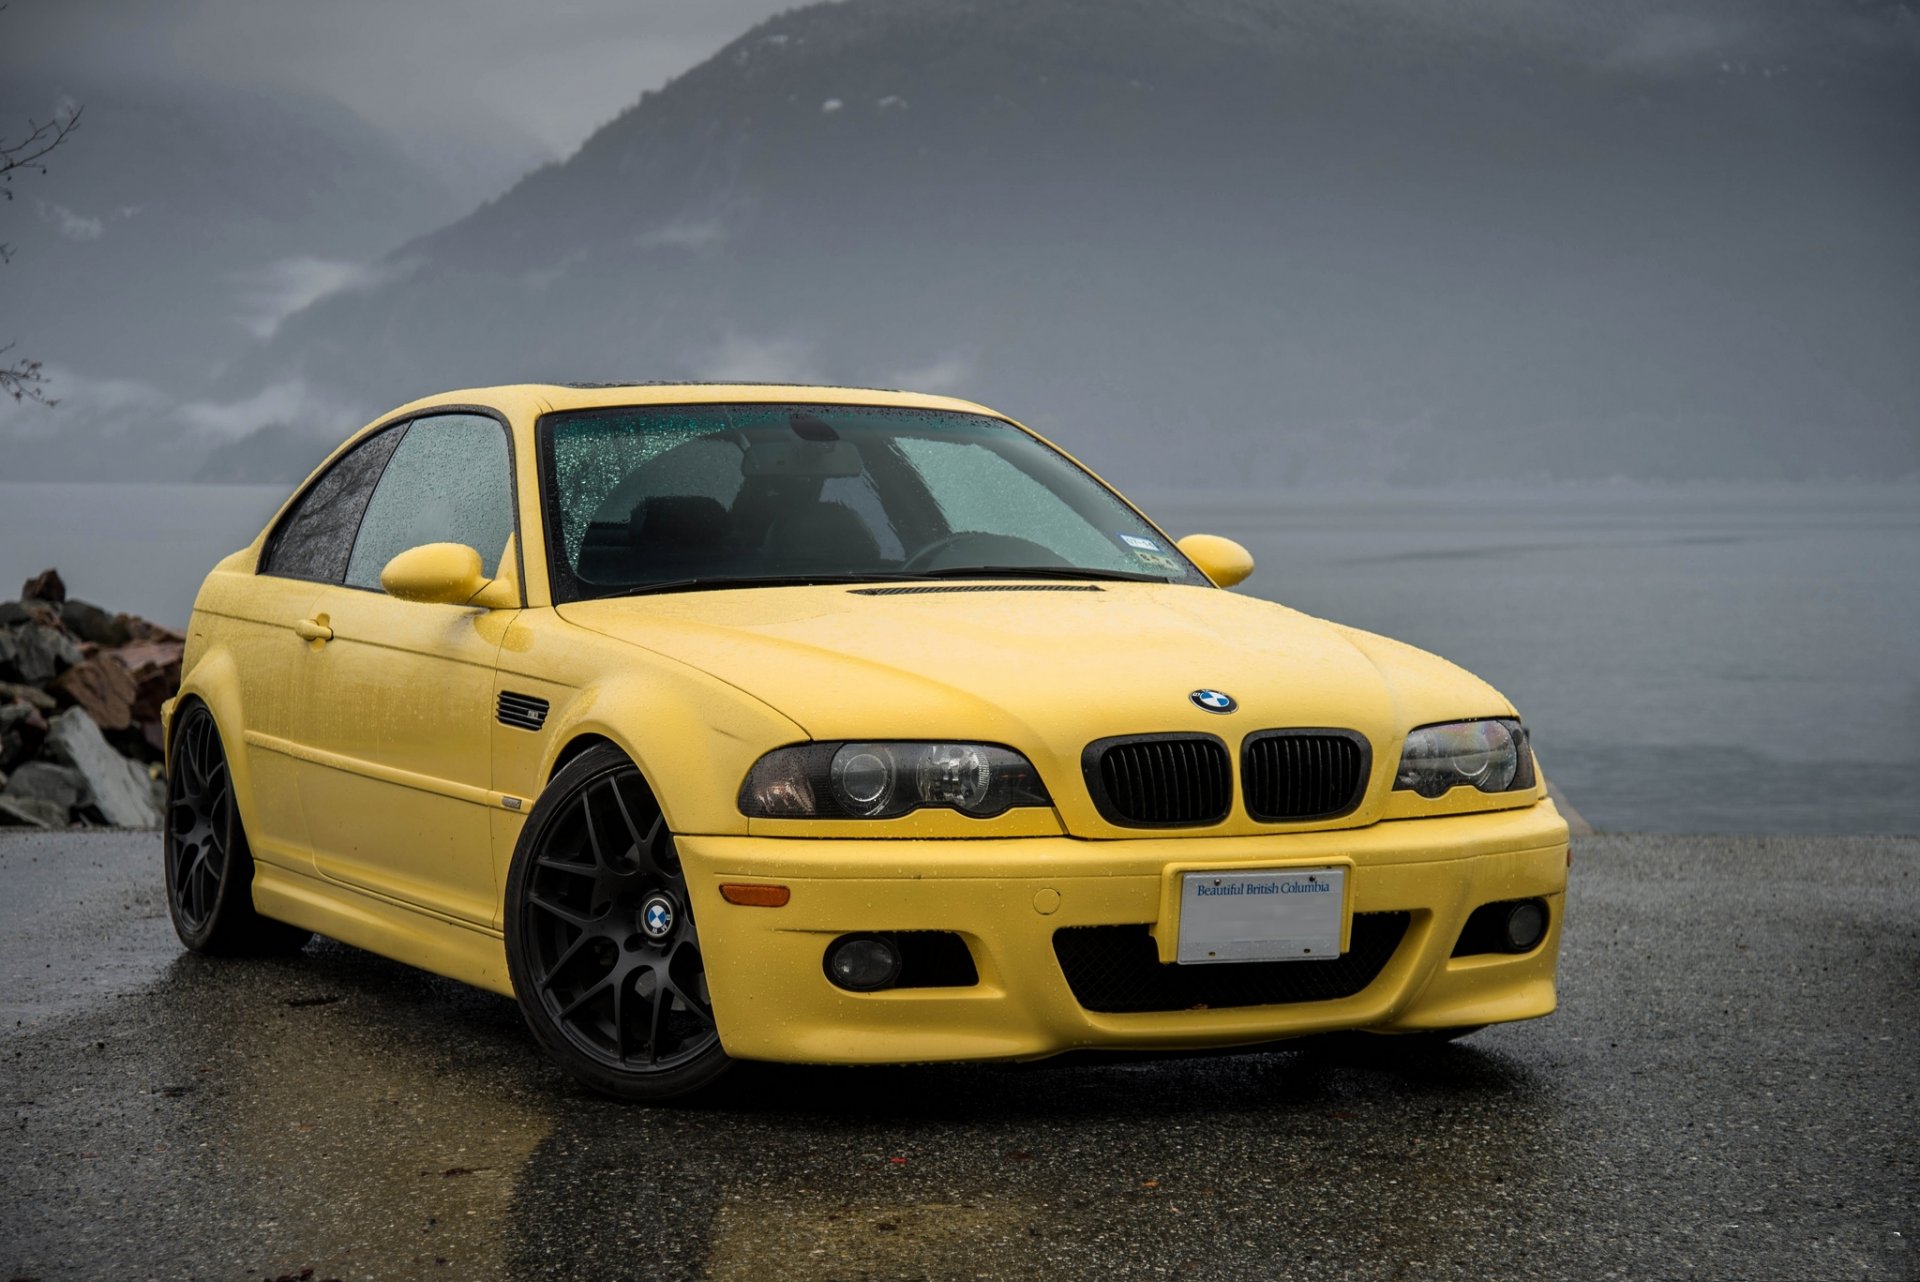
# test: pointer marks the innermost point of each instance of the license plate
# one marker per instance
(1291, 915)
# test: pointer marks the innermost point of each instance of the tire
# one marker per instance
(600, 936)
(208, 866)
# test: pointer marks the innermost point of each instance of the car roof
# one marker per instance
(541, 398)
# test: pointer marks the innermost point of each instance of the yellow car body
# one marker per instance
(383, 795)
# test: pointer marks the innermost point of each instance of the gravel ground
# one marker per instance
(1728, 1091)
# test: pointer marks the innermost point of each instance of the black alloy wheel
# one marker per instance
(601, 943)
(209, 869)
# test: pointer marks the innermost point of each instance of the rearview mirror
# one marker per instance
(1220, 559)
(435, 573)
(801, 458)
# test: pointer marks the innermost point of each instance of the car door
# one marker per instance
(269, 628)
(397, 704)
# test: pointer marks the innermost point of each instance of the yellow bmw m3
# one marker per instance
(832, 726)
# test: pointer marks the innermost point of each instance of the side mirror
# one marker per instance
(1222, 560)
(435, 573)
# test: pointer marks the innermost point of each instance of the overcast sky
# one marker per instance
(551, 71)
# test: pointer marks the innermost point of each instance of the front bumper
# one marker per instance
(1006, 898)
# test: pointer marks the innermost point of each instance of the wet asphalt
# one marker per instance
(1728, 1091)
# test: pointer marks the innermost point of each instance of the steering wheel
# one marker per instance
(982, 549)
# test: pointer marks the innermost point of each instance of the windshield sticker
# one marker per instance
(1166, 564)
(1139, 544)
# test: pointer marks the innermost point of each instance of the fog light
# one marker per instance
(1526, 924)
(863, 963)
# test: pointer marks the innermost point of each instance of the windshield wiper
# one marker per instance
(1035, 572)
(755, 581)
(883, 576)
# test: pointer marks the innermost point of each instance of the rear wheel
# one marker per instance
(600, 936)
(209, 868)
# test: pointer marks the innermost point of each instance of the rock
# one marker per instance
(103, 686)
(139, 629)
(32, 695)
(14, 613)
(45, 586)
(155, 669)
(22, 731)
(91, 623)
(118, 790)
(21, 812)
(35, 654)
(43, 781)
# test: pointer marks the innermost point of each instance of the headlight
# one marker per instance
(885, 780)
(1491, 755)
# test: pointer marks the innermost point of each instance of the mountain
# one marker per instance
(177, 226)
(1277, 241)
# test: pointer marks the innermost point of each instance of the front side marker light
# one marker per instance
(753, 895)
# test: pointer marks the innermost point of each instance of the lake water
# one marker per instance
(1691, 658)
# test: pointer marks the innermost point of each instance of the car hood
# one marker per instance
(1045, 668)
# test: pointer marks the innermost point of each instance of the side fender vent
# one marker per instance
(522, 711)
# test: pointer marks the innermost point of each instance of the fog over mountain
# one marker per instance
(1276, 241)
(176, 227)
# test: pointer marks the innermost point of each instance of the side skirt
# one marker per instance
(470, 954)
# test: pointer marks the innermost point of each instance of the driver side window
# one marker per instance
(315, 538)
(450, 481)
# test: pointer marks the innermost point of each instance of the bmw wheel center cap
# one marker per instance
(1213, 700)
(656, 917)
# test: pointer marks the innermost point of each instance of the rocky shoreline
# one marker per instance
(80, 696)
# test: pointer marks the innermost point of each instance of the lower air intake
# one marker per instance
(1117, 969)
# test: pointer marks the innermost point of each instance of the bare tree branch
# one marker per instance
(24, 380)
(21, 378)
(30, 152)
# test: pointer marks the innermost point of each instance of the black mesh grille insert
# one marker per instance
(1304, 774)
(1160, 781)
(934, 959)
(1117, 969)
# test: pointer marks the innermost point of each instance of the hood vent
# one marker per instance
(977, 587)
(522, 711)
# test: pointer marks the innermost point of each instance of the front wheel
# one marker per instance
(600, 936)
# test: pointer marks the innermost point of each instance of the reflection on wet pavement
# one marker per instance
(342, 1113)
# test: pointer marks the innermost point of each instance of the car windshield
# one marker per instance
(664, 498)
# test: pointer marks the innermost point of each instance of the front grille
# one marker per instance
(1294, 775)
(1160, 781)
(1116, 969)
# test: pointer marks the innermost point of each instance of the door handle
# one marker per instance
(315, 630)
